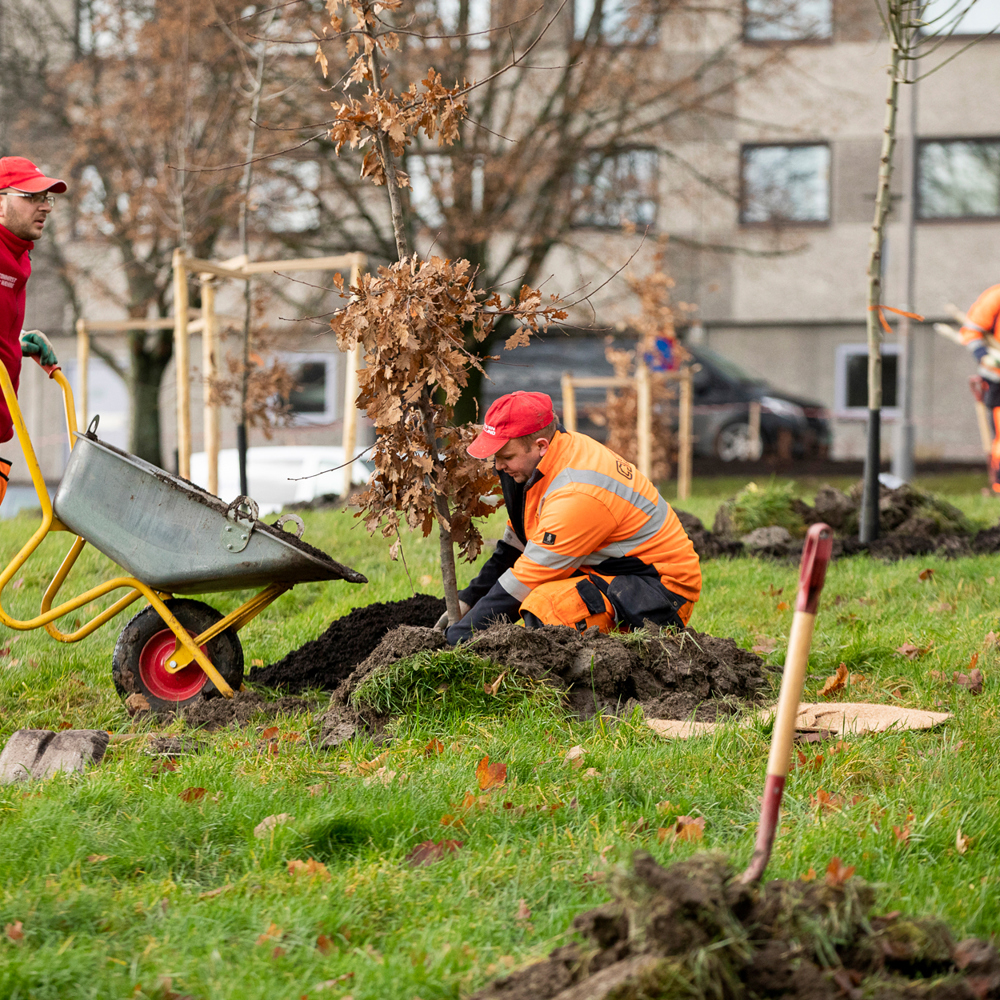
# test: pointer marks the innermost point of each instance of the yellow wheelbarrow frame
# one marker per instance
(188, 649)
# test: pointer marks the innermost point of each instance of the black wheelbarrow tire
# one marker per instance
(145, 644)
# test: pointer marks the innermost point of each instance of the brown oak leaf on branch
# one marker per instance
(410, 320)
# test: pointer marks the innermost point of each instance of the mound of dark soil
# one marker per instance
(911, 523)
(692, 931)
(326, 661)
(672, 675)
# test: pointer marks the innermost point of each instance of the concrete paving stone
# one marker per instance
(71, 750)
(23, 749)
(40, 753)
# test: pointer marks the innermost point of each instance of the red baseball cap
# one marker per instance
(21, 174)
(512, 416)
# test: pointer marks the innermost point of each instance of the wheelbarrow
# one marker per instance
(172, 538)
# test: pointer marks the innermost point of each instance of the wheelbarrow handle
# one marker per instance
(815, 559)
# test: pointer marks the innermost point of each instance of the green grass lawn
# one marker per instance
(112, 885)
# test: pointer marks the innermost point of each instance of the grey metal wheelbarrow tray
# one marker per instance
(173, 536)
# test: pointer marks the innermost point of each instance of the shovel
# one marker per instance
(815, 559)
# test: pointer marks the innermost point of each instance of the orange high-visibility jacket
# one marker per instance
(584, 508)
(984, 317)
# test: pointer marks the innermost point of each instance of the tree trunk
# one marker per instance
(388, 161)
(883, 201)
(148, 365)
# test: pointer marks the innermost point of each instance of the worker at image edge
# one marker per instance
(589, 540)
(984, 318)
(26, 198)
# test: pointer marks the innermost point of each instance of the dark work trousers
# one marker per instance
(992, 400)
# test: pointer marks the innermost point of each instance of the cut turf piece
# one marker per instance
(692, 931)
(325, 662)
(670, 675)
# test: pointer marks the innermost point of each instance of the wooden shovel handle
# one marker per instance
(815, 559)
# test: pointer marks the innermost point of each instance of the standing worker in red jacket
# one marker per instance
(590, 542)
(982, 319)
(26, 198)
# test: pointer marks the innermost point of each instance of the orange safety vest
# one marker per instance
(591, 510)
(983, 317)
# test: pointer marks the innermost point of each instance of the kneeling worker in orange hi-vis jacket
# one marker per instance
(589, 540)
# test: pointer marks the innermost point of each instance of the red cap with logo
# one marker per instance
(512, 416)
(22, 175)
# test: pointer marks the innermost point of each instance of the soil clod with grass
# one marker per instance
(692, 930)
(771, 521)
(326, 661)
(670, 675)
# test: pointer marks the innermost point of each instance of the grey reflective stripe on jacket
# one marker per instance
(657, 513)
(519, 591)
(510, 538)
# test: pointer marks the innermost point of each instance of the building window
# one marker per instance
(314, 398)
(851, 380)
(787, 20)
(785, 184)
(609, 191)
(958, 179)
(615, 22)
(945, 17)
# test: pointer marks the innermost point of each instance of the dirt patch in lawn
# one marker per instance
(242, 708)
(692, 930)
(671, 675)
(326, 661)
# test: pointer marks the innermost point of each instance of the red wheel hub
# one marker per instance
(158, 681)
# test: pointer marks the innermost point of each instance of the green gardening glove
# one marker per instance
(34, 342)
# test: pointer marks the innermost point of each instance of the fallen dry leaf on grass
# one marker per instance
(972, 681)
(273, 933)
(764, 645)
(689, 828)
(96, 859)
(523, 913)
(962, 842)
(912, 652)
(256, 663)
(14, 932)
(368, 766)
(942, 608)
(329, 984)
(991, 639)
(433, 748)
(268, 823)
(191, 794)
(925, 574)
(310, 867)
(491, 775)
(826, 802)
(324, 945)
(783, 605)
(835, 682)
(836, 873)
(429, 851)
(318, 789)
(495, 686)
(574, 756)
(136, 702)
(212, 893)
(270, 733)
(773, 591)
(808, 876)
(902, 835)
(591, 772)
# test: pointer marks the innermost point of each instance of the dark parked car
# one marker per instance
(723, 392)
(789, 425)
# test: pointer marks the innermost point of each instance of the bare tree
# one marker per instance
(574, 107)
